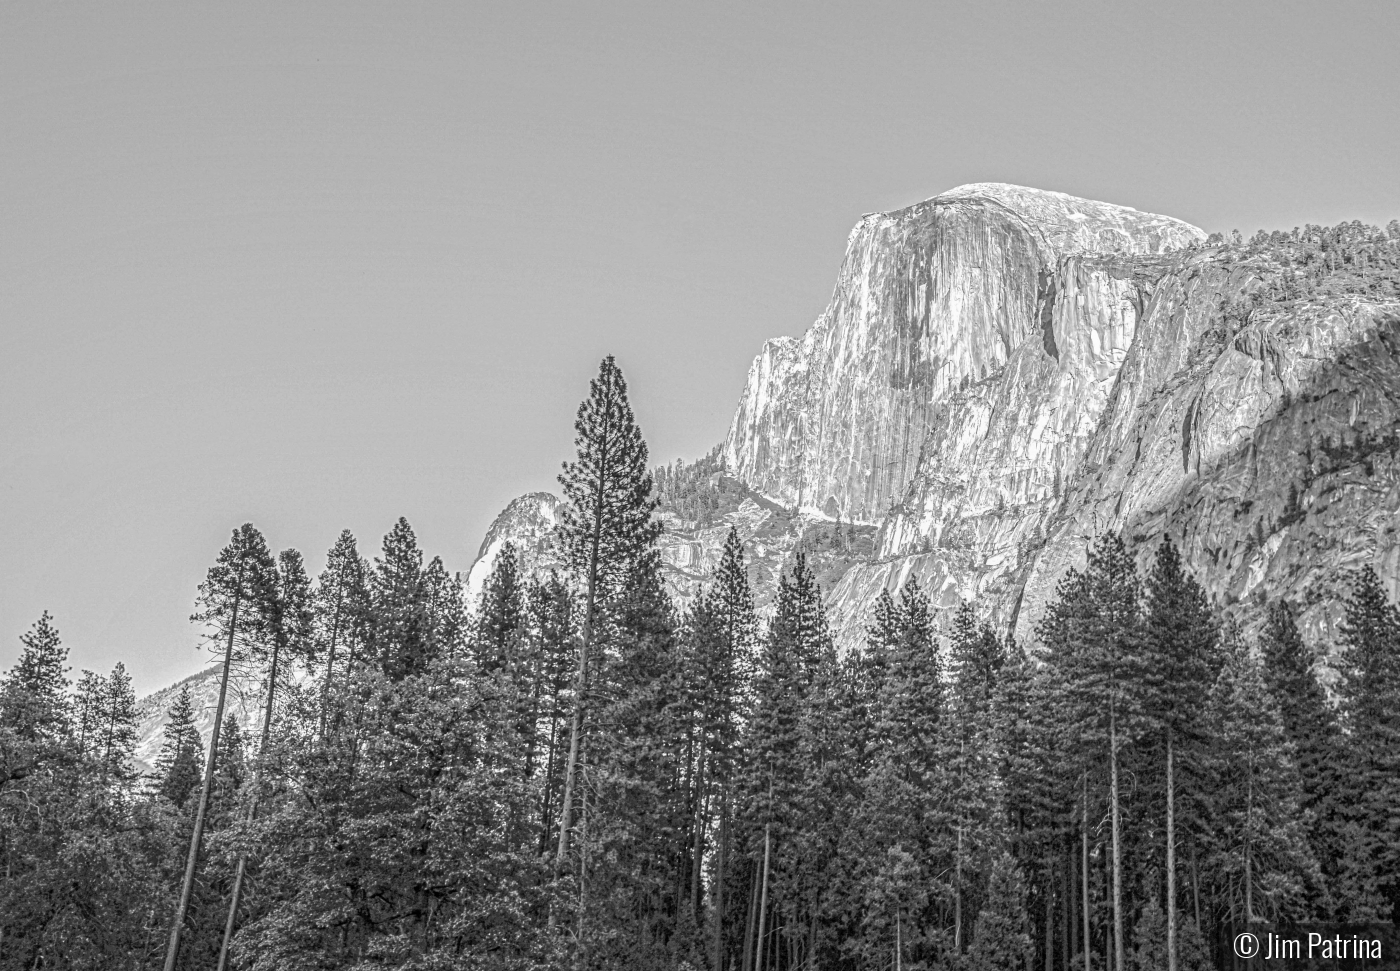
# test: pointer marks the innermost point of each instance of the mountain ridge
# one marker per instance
(1243, 397)
(971, 365)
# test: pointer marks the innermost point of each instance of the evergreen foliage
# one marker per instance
(1371, 708)
(1256, 841)
(340, 614)
(402, 634)
(1002, 943)
(609, 541)
(572, 775)
(181, 760)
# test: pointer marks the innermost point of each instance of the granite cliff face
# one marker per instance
(691, 545)
(1004, 374)
(528, 522)
(930, 300)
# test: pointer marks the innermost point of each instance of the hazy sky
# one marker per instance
(319, 265)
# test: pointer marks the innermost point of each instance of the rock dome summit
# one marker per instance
(1003, 373)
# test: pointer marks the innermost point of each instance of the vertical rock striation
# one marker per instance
(1004, 374)
(930, 300)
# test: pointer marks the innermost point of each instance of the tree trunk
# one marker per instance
(763, 896)
(1067, 907)
(698, 846)
(1108, 918)
(173, 948)
(1248, 850)
(576, 728)
(330, 653)
(749, 925)
(898, 941)
(1117, 842)
(1196, 890)
(719, 882)
(1084, 873)
(957, 897)
(1171, 856)
(253, 808)
(546, 798)
(585, 643)
(582, 877)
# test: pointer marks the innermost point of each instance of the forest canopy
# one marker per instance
(571, 772)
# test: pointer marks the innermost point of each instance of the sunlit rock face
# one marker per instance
(690, 550)
(1004, 375)
(529, 524)
(243, 701)
(932, 300)
(1267, 449)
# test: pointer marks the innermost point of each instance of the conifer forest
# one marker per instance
(572, 773)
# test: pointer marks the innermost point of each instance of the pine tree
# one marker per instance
(1039, 789)
(118, 729)
(607, 525)
(899, 763)
(80, 863)
(775, 772)
(37, 684)
(911, 691)
(181, 753)
(968, 807)
(722, 635)
(1001, 943)
(829, 753)
(88, 701)
(447, 610)
(637, 817)
(1093, 633)
(881, 641)
(235, 607)
(402, 625)
(1150, 937)
(340, 612)
(41, 669)
(35, 720)
(1180, 647)
(1311, 727)
(231, 767)
(289, 608)
(503, 647)
(1256, 838)
(1371, 706)
(500, 615)
(552, 632)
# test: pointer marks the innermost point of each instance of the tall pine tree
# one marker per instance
(607, 526)
(1311, 726)
(236, 608)
(1371, 706)
(340, 613)
(1180, 646)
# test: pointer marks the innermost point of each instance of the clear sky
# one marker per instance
(318, 265)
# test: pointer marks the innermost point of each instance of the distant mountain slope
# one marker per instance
(245, 690)
(1004, 374)
(697, 512)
